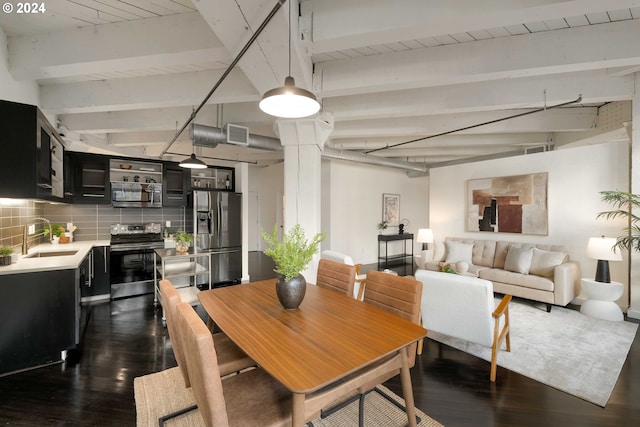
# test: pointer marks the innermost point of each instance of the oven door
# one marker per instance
(131, 272)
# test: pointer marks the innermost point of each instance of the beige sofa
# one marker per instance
(533, 271)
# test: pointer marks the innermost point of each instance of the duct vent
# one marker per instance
(237, 135)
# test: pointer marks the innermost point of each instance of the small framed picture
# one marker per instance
(391, 208)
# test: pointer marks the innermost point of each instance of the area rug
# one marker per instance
(164, 392)
(564, 349)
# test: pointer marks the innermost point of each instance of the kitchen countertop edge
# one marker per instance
(32, 265)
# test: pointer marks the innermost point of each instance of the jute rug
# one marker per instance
(164, 392)
(564, 349)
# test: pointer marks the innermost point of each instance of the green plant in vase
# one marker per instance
(183, 241)
(55, 231)
(5, 255)
(291, 256)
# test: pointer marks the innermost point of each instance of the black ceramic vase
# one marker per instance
(291, 293)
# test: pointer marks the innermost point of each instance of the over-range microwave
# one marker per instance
(136, 195)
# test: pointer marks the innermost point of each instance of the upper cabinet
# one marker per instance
(32, 161)
(90, 178)
(176, 185)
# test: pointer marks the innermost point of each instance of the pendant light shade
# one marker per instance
(193, 163)
(289, 101)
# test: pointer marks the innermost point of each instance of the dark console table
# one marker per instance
(400, 259)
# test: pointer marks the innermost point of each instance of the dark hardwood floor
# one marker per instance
(125, 339)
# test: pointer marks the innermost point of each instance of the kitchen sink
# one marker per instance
(50, 254)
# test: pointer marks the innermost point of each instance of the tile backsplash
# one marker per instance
(93, 221)
(14, 214)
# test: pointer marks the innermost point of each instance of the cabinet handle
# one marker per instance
(175, 197)
(47, 186)
(92, 195)
(105, 259)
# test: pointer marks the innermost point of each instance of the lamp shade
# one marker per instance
(193, 163)
(601, 248)
(289, 101)
(425, 235)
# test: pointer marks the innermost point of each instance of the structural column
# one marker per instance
(303, 141)
(634, 258)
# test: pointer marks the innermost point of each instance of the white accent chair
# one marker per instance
(464, 307)
(359, 285)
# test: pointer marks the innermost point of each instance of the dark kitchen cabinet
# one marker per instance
(40, 314)
(32, 154)
(176, 185)
(90, 178)
(94, 278)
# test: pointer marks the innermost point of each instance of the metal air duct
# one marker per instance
(209, 136)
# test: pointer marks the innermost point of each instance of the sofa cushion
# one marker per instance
(543, 262)
(458, 251)
(497, 275)
(518, 259)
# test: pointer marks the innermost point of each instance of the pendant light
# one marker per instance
(193, 163)
(289, 101)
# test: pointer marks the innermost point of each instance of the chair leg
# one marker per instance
(420, 346)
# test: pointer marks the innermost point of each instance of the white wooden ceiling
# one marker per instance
(123, 75)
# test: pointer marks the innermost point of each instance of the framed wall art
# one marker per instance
(391, 208)
(508, 204)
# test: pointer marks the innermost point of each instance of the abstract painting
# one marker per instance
(391, 208)
(508, 204)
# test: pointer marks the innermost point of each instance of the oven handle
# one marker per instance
(135, 247)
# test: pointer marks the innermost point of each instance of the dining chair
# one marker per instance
(336, 276)
(360, 279)
(401, 296)
(231, 358)
(250, 399)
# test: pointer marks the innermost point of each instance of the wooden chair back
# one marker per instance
(398, 295)
(170, 299)
(336, 276)
(201, 360)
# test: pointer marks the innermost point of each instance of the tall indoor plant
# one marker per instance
(624, 205)
(291, 255)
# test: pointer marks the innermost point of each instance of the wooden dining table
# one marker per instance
(326, 339)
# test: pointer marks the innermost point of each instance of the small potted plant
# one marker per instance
(5, 255)
(183, 241)
(382, 226)
(291, 256)
(55, 230)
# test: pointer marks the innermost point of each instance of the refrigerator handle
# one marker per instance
(209, 221)
(219, 225)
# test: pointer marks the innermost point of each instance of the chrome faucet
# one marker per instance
(25, 247)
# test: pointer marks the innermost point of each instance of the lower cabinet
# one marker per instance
(94, 280)
(40, 314)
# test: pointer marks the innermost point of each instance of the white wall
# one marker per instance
(576, 176)
(27, 92)
(352, 206)
(268, 183)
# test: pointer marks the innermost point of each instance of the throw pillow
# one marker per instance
(518, 259)
(458, 251)
(543, 262)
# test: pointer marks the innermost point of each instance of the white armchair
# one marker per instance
(464, 307)
(359, 285)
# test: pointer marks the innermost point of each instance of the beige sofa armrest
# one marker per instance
(566, 280)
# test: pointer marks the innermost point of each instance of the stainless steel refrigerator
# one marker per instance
(218, 227)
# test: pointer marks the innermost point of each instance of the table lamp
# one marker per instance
(601, 248)
(425, 236)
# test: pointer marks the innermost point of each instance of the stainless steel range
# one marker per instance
(132, 247)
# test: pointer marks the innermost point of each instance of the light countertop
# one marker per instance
(28, 265)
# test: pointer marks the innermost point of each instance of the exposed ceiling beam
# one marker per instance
(145, 92)
(163, 41)
(382, 21)
(569, 50)
(531, 92)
